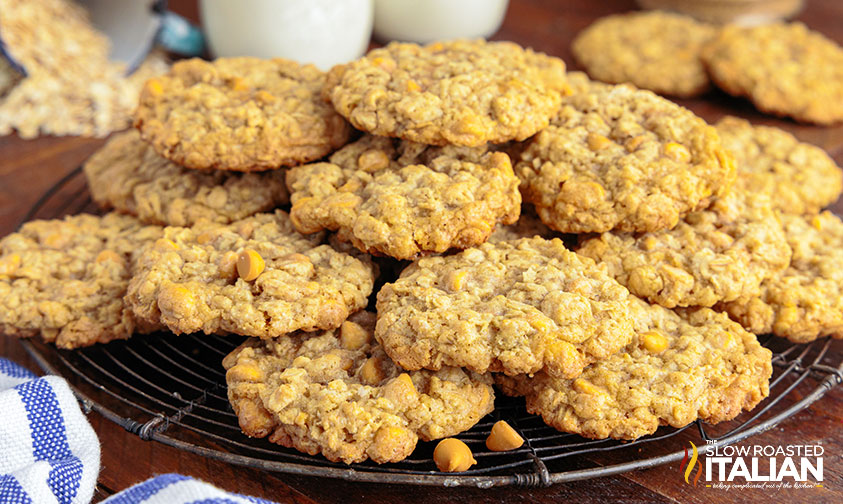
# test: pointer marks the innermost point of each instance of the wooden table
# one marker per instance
(28, 168)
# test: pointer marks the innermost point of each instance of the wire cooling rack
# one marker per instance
(171, 389)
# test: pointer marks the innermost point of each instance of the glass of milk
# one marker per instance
(428, 20)
(323, 32)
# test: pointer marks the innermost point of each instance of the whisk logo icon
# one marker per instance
(688, 464)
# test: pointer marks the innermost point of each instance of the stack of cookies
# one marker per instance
(785, 69)
(406, 170)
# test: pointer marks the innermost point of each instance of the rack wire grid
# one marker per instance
(172, 390)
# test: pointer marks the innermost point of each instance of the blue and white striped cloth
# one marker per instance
(50, 454)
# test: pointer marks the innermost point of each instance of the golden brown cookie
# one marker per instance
(243, 114)
(128, 175)
(336, 392)
(784, 68)
(402, 199)
(654, 50)
(65, 279)
(805, 302)
(513, 306)
(719, 254)
(800, 178)
(678, 368)
(256, 277)
(460, 92)
(616, 157)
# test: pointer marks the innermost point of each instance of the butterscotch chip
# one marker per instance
(800, 178)
(306, 391)
(453, 455)
(401, 199)
(711, 370)
(719, 254)
(784, 68)
(654, 50)
(243, 114)
(512, 306)
(615, 157)
(128, 175)
(459, 92)
(805, 302)
(65, 279)
(250, 265)
(189, 280)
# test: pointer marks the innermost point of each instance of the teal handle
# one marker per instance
(180, 36)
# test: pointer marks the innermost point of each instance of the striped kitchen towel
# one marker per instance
(48, 451)
(175, 488)
(50, 454)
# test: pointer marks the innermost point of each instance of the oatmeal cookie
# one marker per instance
(805, 302)
(243, 114)
(460, 92)
(336, 392)
(654, 50)
(129, 176)
(616, 157)
(66, 279)
(800, 178)
(256, 277)
(719, 254)
(784, 68)
(678, 368)
(513, 306)
(401, 199)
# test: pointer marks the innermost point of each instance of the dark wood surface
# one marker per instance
(28, 168)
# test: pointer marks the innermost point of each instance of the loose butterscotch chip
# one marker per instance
(503, 437)
(311, 392)
(453, 455)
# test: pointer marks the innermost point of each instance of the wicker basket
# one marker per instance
(745, 12)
